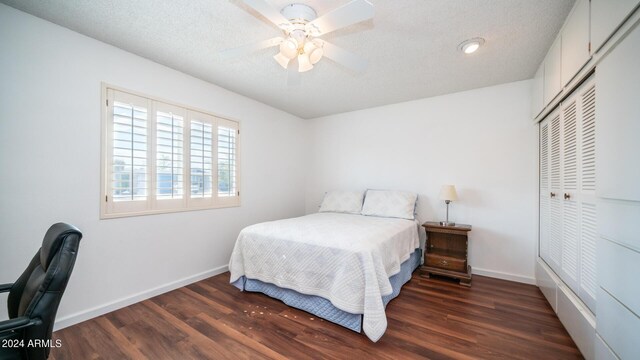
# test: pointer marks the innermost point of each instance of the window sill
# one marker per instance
(107, 216)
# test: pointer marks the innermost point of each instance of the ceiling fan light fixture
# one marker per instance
(470, 46)
(289, 48)
(314, 50)
(316, 55)
(282, 60)
(304, 64)
(299, 13)
(300, 48)
(299, 36)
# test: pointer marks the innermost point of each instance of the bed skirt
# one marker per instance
(322, 307)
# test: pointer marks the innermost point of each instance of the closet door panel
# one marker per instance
(618, 274)
(606, 16)
(618, 112)
(555, 208)
(588, 150)
(544, 190)
(570, 244)
(552, 70)
(575, 41)
(618, 326)
(570, 205)
(588, 210)
(588, 255)
(614, 220)
(603, 351)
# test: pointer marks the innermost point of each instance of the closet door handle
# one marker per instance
(567, 196)
(552, 194)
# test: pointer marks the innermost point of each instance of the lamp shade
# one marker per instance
(303, 63)
(282, 60)
(448, 192)
(289, 48)
(314, 50)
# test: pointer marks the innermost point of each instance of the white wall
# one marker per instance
(50, 167)
(481, 140)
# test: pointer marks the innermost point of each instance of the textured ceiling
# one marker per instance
(411, 45)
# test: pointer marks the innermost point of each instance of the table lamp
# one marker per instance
(448, 194)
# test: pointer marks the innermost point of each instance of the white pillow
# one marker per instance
(388, 203)
(342, 202)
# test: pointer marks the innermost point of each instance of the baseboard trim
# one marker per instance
(505, 276)
(135, 298)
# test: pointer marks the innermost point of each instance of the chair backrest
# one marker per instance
(37, 292)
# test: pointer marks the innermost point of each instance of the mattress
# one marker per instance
(322, 307)
(345, 258)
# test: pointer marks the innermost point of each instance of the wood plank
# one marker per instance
(118, 338)
(431, 319)
(247, 341)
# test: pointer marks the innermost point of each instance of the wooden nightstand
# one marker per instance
(446, 251)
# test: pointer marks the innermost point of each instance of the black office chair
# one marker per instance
(34, 298)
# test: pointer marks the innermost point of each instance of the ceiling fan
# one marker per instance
(300, 44)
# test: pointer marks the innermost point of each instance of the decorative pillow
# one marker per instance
(342, 202)
(388, 203)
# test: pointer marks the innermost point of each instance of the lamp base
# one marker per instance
(446, 223)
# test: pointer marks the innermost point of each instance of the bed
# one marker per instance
(342, 267)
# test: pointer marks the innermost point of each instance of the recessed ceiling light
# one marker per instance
(471, 45)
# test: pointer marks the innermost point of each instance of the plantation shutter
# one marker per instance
(128, 171)
(227, 149)
(169, 155)
(159, 157)
(201, 152)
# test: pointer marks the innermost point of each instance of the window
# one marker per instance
(226, 161)
(201, 155)
(160, 157)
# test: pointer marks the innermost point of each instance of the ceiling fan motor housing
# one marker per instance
(299, 13)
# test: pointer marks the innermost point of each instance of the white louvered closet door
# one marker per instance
(568, 210)
(544, 190)
(555, 201)
(578, 193)
(570, 196)
(587, 190)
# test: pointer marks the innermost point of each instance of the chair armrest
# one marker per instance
(5, 287)
(17, 323)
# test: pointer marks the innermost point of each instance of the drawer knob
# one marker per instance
(444, 263)
(552, 194)
(567, 196)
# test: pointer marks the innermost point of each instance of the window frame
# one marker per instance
(152, 205)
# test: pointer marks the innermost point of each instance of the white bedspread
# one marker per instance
(344, 258)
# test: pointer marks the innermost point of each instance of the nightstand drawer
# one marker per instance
(446, 262)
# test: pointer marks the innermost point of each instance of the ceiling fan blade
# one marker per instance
(351, 13)
(267, 10)
(345, 58)
(249, 48)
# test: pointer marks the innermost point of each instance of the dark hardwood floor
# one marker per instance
(431, 319)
